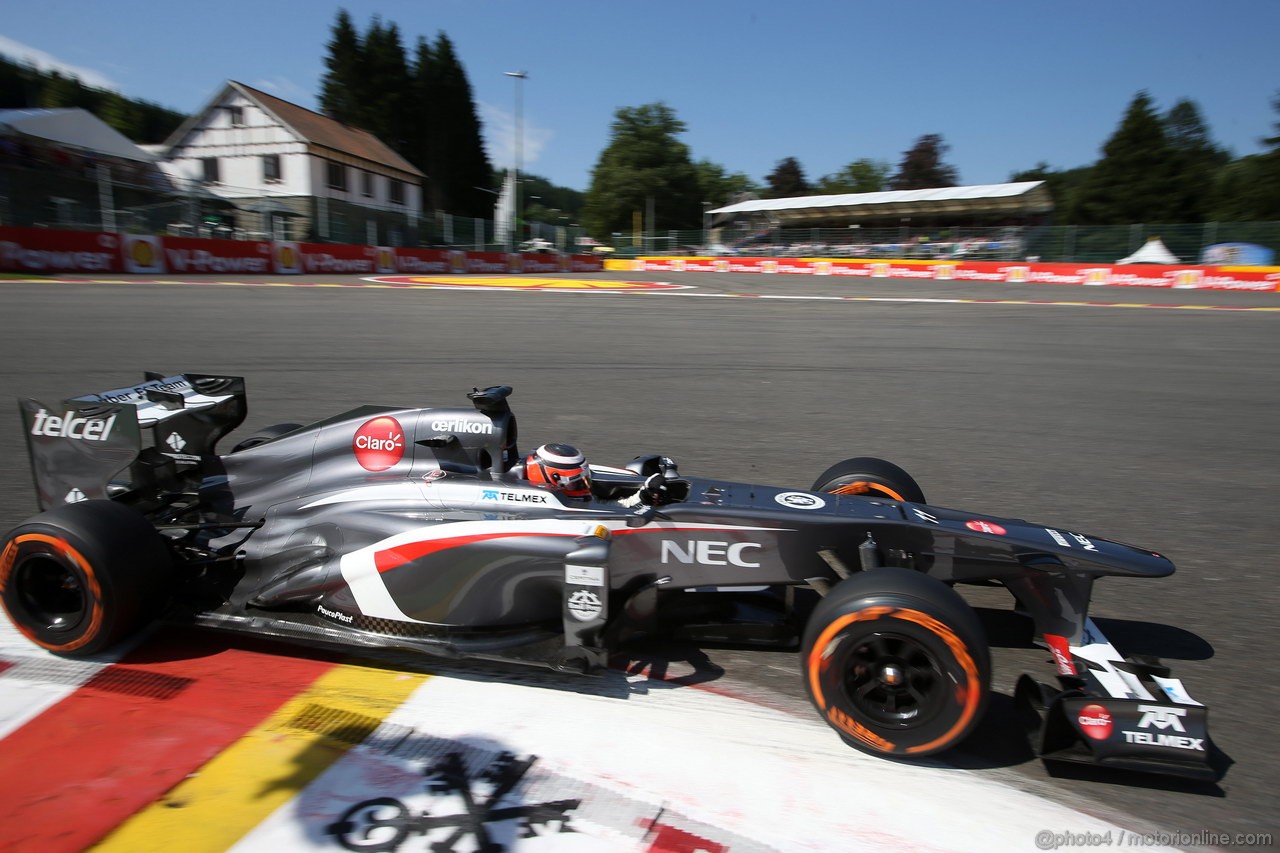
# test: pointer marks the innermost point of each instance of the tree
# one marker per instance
(922, 167)
(1136, 179)
(1249, 189)
(23, 86)
(860, 176)
(340, 89)
(1196, 161)
(453, 152)
(718, 187)
(1063, 185)
(424, 111)
(787, 180)
(644, 167)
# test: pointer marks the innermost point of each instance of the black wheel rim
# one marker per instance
(51, 592)
(894, 680)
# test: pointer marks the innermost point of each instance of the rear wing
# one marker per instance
(143, 436)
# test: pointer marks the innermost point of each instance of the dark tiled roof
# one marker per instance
(328, 133)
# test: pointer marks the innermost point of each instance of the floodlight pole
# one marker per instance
(513, 232)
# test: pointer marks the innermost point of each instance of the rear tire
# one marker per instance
(264, 435)
(897, 663)
(79, 578)
(869, 477)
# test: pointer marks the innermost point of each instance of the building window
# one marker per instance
(397, 192)
(271, 168)
(236, 116)
(337, 176)
(367, 184)
(210, 170)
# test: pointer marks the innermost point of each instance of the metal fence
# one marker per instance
(86, 193)
(1063, 243)
(82, 192)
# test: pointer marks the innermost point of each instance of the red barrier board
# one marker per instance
(490, 262)
(344, 260)
(429, 261)
(196, 255)
(1176, 276)
(46, 250)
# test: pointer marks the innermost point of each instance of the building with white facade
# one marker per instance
(294, 174)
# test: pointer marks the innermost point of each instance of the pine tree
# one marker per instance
(1196, 161)
(340, 89)
(456, 136)
(1136, 180)
(922, 167)
(787, 180)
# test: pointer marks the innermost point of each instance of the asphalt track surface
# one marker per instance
(1154, 425)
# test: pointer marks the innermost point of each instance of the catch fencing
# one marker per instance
(82, 193)
(1049, 244)
(78, 192)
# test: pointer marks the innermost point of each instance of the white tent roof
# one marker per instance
(74, 127)
(1154, 251)
(1022, 197)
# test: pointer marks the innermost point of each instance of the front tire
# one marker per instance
(79, 578)
(869, 477)
(897, 663)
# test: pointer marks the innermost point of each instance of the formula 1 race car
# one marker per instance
(426, 529)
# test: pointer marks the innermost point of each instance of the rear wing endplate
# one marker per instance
(163, 424)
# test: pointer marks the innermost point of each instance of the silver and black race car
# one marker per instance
(417, 528)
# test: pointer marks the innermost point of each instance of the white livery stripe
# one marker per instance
(1104, 657)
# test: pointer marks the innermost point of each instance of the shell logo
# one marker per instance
(769, 267)
(143, 253)
(286, 258)
(457, 261)
(566, 263)
(514, 263)
(678, 265)
(386, 259)
(822, 268)
(880, 270)
(1099, 275)
(721, 265)
(1017, 275)
(944, 272)
(1188, 279)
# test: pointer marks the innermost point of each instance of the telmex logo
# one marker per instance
(709, 553)
(72, 426)
(1161, 717)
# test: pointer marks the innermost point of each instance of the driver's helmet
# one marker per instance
(561, 467)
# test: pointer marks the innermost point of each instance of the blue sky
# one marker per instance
(1006, 84)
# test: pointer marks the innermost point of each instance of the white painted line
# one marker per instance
(36, 680)
(733, 774)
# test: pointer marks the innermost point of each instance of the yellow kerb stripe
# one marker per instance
(226, 798)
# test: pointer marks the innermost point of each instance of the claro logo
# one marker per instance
(379, 444)
(710, 553)
(1095, 721)
(72, 426)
